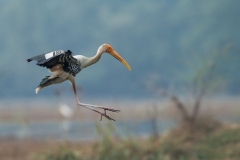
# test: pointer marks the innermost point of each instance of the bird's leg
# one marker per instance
(92, 107)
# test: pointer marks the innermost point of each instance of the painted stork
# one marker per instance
(65, 67)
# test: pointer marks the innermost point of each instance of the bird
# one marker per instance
(64, 66)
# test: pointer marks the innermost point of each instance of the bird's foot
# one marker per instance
(91, 107)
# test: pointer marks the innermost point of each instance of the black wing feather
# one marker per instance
(49, 60)
(44, 80)
(71, 64)
(37, 58)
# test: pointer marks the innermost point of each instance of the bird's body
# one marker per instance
(65, 67)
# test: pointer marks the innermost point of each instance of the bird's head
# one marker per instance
(108, 49)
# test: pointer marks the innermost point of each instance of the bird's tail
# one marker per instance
(38, 89)
(42, 84)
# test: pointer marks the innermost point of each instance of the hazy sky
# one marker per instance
(155, 37)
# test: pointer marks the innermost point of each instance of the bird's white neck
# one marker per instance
(87, 61)
(95, 58)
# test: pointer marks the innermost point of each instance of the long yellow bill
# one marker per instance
(118, 57)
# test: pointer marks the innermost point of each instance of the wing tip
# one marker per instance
(29, 60)
(69, 52)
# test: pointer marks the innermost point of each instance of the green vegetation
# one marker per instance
(63, 154)
(220, 143)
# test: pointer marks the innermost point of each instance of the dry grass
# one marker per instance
(12, 149)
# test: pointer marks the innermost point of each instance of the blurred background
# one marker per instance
(184, 57)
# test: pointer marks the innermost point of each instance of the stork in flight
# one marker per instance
(65, 67)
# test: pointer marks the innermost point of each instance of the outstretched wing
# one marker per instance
(49, 60)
